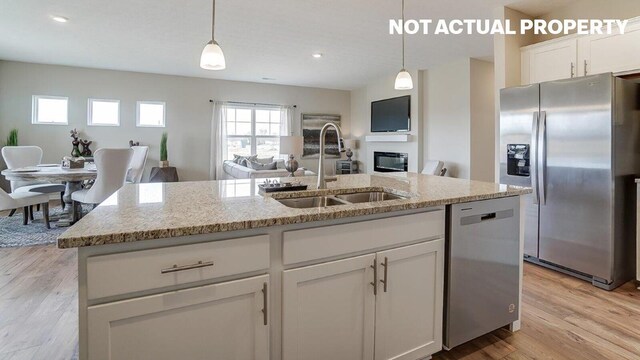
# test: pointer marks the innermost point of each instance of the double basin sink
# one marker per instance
(339, 199)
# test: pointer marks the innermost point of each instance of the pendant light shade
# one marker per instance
(212, 57)
(403, 80)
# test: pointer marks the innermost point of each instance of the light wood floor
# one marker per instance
(563, 318)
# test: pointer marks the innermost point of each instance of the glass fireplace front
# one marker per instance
(390, 161)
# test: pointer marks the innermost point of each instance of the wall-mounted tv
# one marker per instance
(390, 115)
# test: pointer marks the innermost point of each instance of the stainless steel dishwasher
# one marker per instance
(482, 279)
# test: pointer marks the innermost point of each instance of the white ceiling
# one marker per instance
(539, 7)
(260, 38)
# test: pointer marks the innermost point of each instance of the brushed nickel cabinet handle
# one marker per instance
(375, 277)
(585, 68)
(176, 268)
(264, 303)
(573, 70)
(386, 268)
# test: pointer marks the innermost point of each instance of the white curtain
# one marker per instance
(286, 120)
(218, 140)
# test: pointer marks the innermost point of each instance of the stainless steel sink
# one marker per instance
(368, 197)
(311, 202)
(342, 199)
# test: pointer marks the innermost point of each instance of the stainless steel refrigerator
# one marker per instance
(576, 142)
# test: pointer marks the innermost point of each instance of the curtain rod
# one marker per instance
(250, 103)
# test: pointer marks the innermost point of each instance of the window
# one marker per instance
(103, 112)
(49, 110)
(150, 114)
(238, 188)
(253, 130)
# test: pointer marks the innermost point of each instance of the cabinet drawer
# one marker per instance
(116, 274)
(330, 241)
(219, 321)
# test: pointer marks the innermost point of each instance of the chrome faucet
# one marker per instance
(322, 184)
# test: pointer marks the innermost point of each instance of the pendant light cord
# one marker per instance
(402, 34)
(213, 20)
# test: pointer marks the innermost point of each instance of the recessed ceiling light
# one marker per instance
(317, 55)
(60, 19)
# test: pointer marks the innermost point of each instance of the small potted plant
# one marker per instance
(164, 162)
(12, 139)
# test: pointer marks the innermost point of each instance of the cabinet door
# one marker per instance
(328, 311)
(409, 312)
(221, 321)
(610, 53)
(553, 61)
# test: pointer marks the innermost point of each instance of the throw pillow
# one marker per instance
(237, 158)
(243, 160)
(248, 159)
(267, 160)
(258, 166)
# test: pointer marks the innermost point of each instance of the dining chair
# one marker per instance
(433, 167)
(112, 166)
(23, 156)
(26, 201)
(138, 161)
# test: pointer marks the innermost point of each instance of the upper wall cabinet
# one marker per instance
(552, 61)
(610, 53)
(573, 56)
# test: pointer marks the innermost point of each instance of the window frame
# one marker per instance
(253, 136)
(35, 109)
(90, 111)
(151, 102)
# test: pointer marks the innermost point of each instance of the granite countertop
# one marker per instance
(161, 210)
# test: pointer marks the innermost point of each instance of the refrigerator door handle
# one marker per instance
(533, 161)
(542, 158)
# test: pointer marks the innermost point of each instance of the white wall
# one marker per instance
(447, 113)
(482, 107)
(361, 121)
(187, 100)
(458, 118)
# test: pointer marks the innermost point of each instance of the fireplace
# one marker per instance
(390, 161)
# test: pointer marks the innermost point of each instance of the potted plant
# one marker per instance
(12, 139)
(164, 162)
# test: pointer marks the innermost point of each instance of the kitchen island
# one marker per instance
(215, 269)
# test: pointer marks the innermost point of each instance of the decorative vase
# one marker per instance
(291, 165)
(164, 163)
(75, 152)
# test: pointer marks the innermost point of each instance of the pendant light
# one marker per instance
(212, 57)
(403, 80)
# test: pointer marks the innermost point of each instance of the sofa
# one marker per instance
(237, 171)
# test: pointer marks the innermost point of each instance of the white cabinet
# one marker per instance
(548, 62)
(328, 311)
(409, 301)
(574, 56)
(336, 310)
(221, 321)
(610, 53)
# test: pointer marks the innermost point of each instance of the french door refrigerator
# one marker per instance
(576, 142)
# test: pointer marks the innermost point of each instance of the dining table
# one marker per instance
(72, 178)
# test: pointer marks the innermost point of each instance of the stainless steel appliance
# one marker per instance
(483, 272)
(576, 143)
